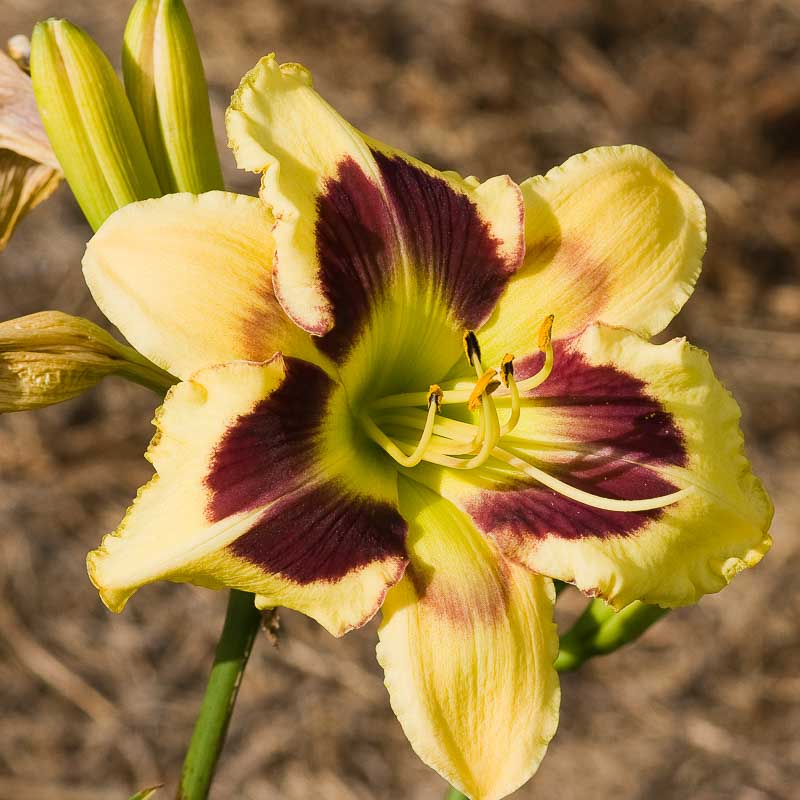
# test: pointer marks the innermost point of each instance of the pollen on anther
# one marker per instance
(435, 395)
(486, 384)
(546, 332)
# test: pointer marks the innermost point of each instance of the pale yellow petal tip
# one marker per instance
(655, 250)
(249, 155)
(690, 587)
(113, 599)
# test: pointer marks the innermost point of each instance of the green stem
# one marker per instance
(599, 630)
(242, 621)
(454, 794)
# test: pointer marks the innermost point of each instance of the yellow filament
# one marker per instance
(447, 431)
(418, 399)
(490, 438)
(513, 418)
(490, 427)
(543, 374)
(380, 438)
(587, 498)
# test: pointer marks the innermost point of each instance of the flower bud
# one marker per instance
(49, 357)
(167, 88)
(29, 170)
(89, 121)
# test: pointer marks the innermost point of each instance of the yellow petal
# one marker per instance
(188, 280)
(243, 498)
(357, 222)
(468, 643)
(613, 236)
(628, 420)
(268, 97)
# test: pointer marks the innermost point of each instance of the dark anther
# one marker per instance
(471, 347)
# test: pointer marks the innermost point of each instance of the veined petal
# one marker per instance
(29, 170)
(23, 185)
(358, 224)
(468, 643)
(250, 494)
(613, 236)
(188, 280)
(21, 127)
(621, 418)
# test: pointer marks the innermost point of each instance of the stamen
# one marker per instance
(545, 343)
(507, 368)
(486, 383)
(546, 332)
(379, 437)
(442, 443)
(435, 394)
(489, 429)
(450, 433)
(490, 438)
(587, 498)
(513, 418)
(471, 347)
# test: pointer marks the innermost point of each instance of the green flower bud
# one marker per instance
(599, 630)
(625, 626)
(167, 88)
(49, 357)
(89, 121)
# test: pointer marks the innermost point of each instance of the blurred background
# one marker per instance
(705, 707)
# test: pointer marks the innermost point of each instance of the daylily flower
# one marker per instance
(406, 390)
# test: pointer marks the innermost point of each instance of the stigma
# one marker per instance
(422, 432)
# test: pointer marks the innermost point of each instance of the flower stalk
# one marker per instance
(599, 631)
(242, 621)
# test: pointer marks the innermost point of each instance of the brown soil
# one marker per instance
(706, 706)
